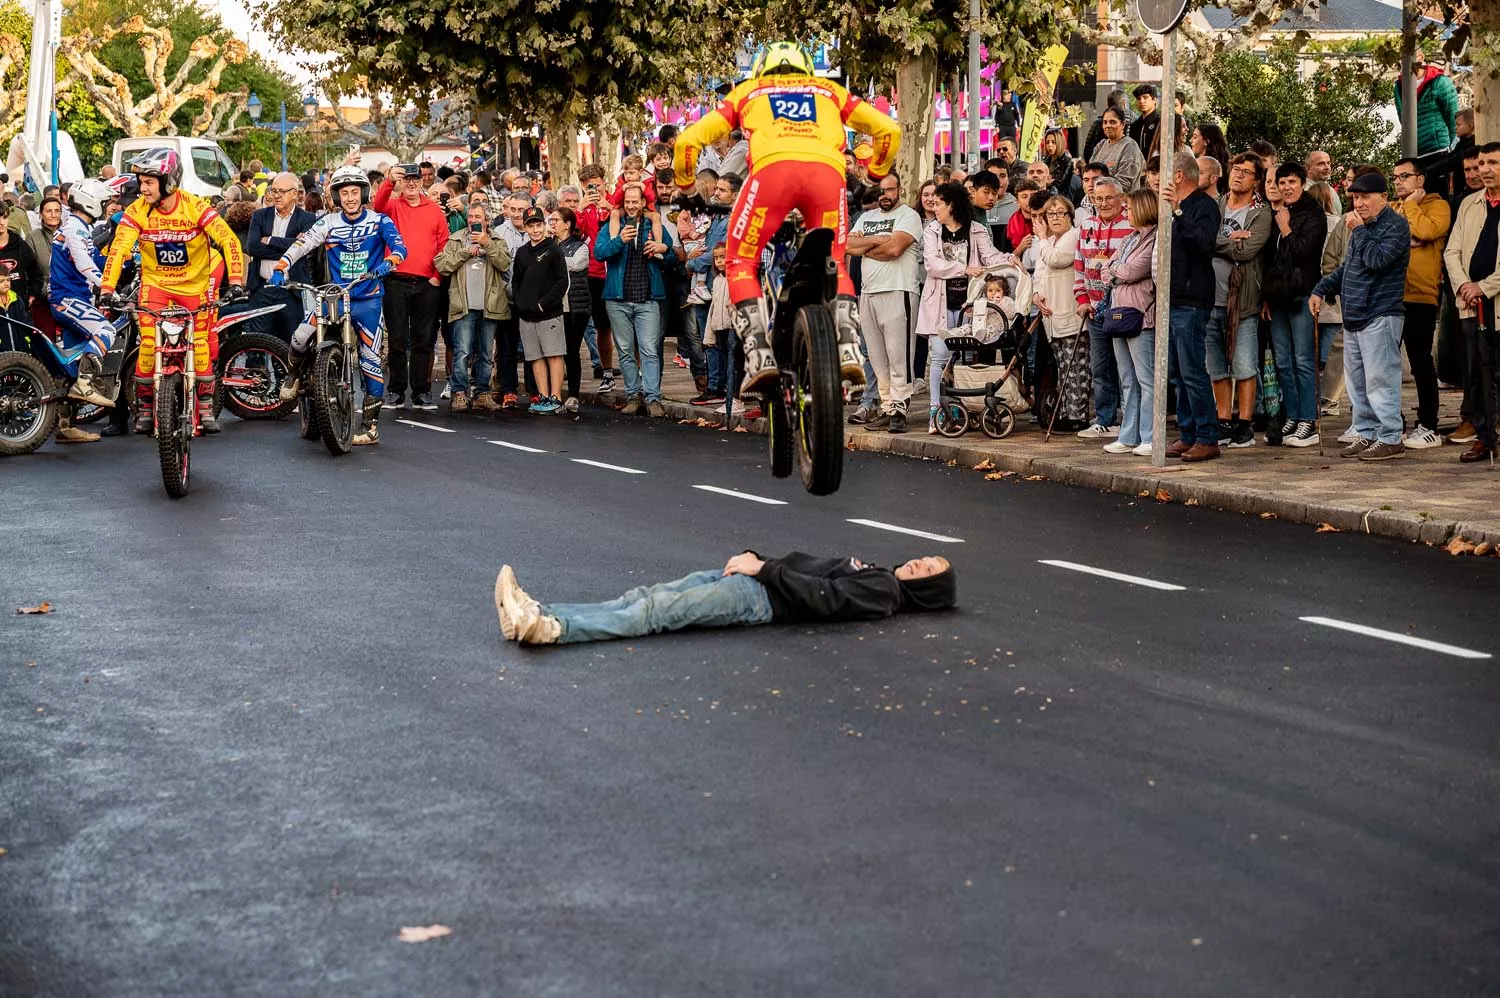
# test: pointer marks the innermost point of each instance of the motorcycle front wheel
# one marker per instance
(24, 423)
(334, 392)
(174, 431)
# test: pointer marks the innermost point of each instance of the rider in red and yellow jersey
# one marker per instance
(795, 124)
(177, 233)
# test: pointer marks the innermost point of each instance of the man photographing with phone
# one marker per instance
(413, 292)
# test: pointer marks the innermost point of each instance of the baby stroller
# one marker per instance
(995, 392)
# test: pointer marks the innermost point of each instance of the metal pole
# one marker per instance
(953, 124)
(1408, 80)
(973, 150)
(283, 136)
(1167, 129)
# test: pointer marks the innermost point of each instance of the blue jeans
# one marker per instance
(691, 345)
(1372, 374)
(1296, 366)
(703, 599)
(1105, 374)
(1197, 416)
(636, 327)
(1136, 359)
(717, 357)
(590, 340)
(472, 334)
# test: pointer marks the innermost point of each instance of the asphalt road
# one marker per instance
(273, 723)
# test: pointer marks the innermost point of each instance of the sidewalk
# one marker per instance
(1424, 496)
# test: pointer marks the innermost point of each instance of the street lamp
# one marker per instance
(310, 108)
(254, 106)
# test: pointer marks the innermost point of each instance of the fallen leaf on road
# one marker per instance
(700, 421)
(39, 608)
(1459, 546)
(1482, 548)
(740, 429)
(1190, 502)
(1162, 495)
(995, 476)
(985, 465)
(683, 422)
(1036, 478)
(1326, 528)
(422, 933)
(2, 852)
(1269, 516)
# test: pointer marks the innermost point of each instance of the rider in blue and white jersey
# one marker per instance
(76, 273)
(358, 242)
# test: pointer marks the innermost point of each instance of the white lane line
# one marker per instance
(607, 467)
(520, 447)
(1104, 573)
(426, 426)
(1397, 637)
(893, 528)
(741, 495)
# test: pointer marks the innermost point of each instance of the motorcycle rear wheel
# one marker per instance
(819, 415)
(23, 426)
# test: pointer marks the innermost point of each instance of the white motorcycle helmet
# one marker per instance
(346, 176)
(91, 197)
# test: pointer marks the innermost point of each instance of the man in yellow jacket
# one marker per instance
(1430, 218)
(795, 122)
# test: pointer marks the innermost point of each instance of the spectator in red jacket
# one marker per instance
(593, 213)
(414, 299)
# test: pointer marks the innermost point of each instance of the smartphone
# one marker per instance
(476, 227)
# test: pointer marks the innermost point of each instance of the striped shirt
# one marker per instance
(1098, 242)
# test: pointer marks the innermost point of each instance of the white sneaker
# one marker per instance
(447, 392)
(570, 404)
(1098, 431)
(1306, 435)
(1144, 450)
(1422, 438)
(1115, 447)
(1348, 436)
(736, 408)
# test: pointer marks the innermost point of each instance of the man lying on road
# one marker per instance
(796, 589)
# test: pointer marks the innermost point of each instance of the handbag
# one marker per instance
(1122, 322)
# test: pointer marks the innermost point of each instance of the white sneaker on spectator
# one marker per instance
(1115, 447)
(1098, 431)
(736, 408)
(1421, 438)
(447, 392)
(1349, 436)
(1142, 450)
(1306, 435)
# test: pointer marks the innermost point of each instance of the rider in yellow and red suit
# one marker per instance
(177, 232)
(795, 124)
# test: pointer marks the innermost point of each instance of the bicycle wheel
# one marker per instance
(173, 435)
(952, 418)
(24, 424)
(819, 397)
(997, 421)
(335, 398)
(254, 367)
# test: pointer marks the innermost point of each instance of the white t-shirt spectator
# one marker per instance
(899, 274)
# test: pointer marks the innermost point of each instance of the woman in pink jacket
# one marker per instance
(955, 248)
(1133, 276)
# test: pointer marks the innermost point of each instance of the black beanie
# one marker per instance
(936, 592)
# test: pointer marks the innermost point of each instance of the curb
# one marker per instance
(1350, 518)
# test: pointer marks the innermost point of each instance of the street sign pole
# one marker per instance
(973, 162)
(1167, 130)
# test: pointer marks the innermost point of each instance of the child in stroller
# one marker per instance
(993, 323)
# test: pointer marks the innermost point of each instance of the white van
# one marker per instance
(206, 169)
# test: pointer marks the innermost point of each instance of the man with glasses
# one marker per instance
(1099, 239)
(414, 290)
(888, 237)
(1471, 258)
(273, 229)
(1428, 216)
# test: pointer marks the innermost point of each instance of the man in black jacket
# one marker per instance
(1195, 231)
(1293, 265)
(795, 589)
(273, 229)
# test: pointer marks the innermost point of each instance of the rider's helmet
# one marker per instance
(163, 164)
(347, 176)
(125, 187)
(782, 58)
(91, 197)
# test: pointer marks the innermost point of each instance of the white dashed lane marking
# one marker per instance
(607, 467)
(519, 447)
(1104, 573)
(741, 495)
(1397, 638)
(426, 426)
(895, 529)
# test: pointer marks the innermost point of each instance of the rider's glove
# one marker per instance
(106, 300)
(233, 293)
(278, 278)
(385, 267)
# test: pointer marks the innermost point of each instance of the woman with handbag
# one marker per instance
(955, 248)
(1053, 296)
(1130, 323)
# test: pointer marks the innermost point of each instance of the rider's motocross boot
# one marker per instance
(67, 433)
(846, 321)
(145, 400)
(754, 332)
(293, 383)
(83, 389)
(371, 434)
(207, 422)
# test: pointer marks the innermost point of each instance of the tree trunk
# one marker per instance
(562, 151)
(607, 145)
(916, 86)
(1484, 24)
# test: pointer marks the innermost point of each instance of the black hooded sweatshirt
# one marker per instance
(540, 281)
(1294, 263)
(805, 588)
